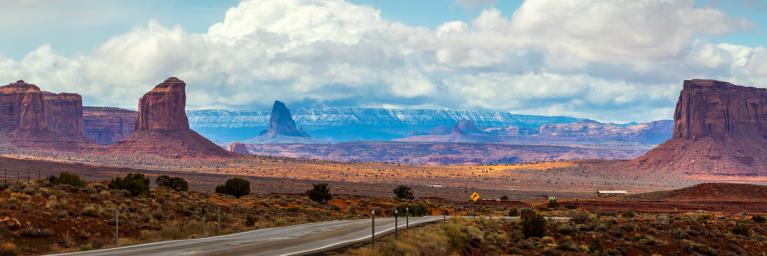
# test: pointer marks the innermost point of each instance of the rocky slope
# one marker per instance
(105, 125)
(162, 127)
(40, 119)
(719, 129)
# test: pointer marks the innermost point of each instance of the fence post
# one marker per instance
(373, 230)
(203, 221)
(218, 221)
(117, 225)
(396, 226)
(407, 219)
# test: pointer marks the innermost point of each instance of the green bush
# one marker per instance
(553, 203)
(235, 187)
(135, 183)
(250, 220)
(534, 226)
(513, 212)
(67, 178)
(741, 230)
(504, 198)
(403, 192)
(628, 215)
(758, 218)
(571, 207)
(320, 193)
(414, 209)
(175, 183)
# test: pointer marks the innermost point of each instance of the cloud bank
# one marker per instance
(608, 60)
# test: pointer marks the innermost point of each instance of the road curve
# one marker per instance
(293, 240)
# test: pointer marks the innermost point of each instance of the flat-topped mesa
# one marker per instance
(162, 108)
(715, 108)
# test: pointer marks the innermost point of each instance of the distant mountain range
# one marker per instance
(378, 124)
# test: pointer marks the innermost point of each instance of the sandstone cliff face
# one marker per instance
(31, 117)
(162, 108)
(715, 108)
(105, 126)
(719, 129)
(162, 127)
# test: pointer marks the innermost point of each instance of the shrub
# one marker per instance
(513, 212)
(250, 220)
(320, 193)
(504, 198)
(571, 207)
(67, 178)
(235, 187)
(741, 230)
(8, 249)
(403, 192)
(628, 215)
(580, 218)
(135, 183)
(553, 203)
(534, 226)
(175, 183)
(758, 219)
(417, 209)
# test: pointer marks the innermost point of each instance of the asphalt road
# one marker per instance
(293, 240)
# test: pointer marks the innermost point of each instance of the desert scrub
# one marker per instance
(534, 226)
(8, 249)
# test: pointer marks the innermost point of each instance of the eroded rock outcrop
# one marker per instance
(162, 127)
(106, 125)
(162, 108)
(281, 122)
(35, 118)
(238, 148)
(719, 129)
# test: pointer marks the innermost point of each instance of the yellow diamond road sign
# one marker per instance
(474, 196)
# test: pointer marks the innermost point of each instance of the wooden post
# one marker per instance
(373, 230)
(218, 221)
(396, 231)
(117, 225)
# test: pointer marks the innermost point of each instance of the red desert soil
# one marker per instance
(710, 192)
(708, 197)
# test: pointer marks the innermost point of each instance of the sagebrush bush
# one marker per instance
(175, 183)
(534, 226)
(67, 178)
(513, 212)
(741, 230)
(758, 218)
(236, 187)
(135, 183)
(320, 193)
(414, 209)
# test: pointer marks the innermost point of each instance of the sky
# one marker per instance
(612, 61)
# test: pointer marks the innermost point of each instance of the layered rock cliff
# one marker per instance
(719, 129)
(35, 118)
(105, 125)
(162, 128)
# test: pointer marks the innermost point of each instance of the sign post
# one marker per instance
(475, 197)
(117, 225)
(407, 219)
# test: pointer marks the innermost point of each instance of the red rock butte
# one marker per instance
(719, 129)
(36, 118)
(162, 127)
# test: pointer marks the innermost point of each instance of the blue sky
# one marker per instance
(614, 61)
